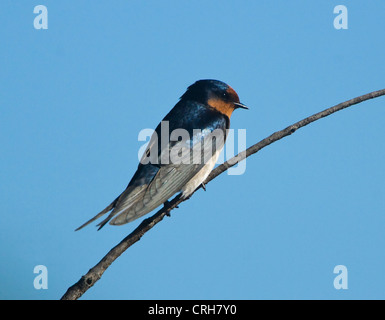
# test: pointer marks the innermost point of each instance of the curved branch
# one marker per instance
(88, 280)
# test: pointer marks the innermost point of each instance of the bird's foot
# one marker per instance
(203, 186)
(167, 207)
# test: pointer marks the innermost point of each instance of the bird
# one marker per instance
(170, 165)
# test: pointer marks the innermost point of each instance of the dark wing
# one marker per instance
(142, 178)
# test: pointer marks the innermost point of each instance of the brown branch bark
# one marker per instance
(94, 274)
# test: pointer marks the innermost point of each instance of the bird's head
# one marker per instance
(216, 94)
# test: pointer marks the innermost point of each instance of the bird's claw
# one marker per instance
(167, 207)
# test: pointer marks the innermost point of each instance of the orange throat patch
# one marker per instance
(223, 107)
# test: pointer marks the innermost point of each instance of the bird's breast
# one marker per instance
(200, 176)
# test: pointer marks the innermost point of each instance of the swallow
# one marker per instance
(182, 162)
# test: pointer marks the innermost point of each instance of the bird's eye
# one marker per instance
(225, 95)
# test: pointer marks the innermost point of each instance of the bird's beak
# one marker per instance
(240, 105)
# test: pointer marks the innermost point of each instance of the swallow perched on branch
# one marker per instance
(181, 153)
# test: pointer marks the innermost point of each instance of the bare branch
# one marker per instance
(94, 274)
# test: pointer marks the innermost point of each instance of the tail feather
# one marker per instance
(104, 211)
(101, 224)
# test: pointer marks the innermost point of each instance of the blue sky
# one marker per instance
(75, 96)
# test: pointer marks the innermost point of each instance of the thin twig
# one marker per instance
(94, 274)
